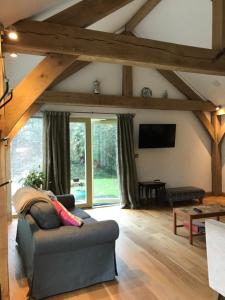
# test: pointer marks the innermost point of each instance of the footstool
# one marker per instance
(185, 193)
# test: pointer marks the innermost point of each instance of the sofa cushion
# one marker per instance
(65, 216)
(89, 221)
(79, 213)
(45, 215)
(67, 200)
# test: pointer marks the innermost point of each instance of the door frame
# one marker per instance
(88, 160)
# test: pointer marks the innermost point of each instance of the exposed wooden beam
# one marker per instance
(88, 12)
(216, 157)
(23, 120)
(83, 14)
(221, 133)
(127, 81)
(179, 84)
(78, 65)
(29, 89)
(77, 15)
(90, 45)
(141, 14)
(218, 32)
(176, 81)
(70, 98)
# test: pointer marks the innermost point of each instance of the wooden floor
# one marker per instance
(153, 263)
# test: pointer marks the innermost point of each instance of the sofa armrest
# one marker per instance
(67, 200)
(70, 238)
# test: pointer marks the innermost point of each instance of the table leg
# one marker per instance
(174, 223)
(218, 218)
(190, 231)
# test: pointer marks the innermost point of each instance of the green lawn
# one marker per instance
(106, 190)
(106, 187)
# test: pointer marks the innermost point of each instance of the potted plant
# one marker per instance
(34, 179)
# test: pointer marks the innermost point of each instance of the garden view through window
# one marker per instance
(105, 182)
(26, 152)
(93, 158)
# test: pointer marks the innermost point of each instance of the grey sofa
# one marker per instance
(58, 258)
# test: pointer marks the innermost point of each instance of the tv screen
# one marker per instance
(157, 135)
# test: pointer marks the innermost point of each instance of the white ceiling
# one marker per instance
(178, 21)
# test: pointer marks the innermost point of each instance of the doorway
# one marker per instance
(94, 168)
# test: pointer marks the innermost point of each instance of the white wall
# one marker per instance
(178, 21)
(187, 164)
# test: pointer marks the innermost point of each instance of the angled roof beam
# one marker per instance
(84, 14)
(87, 12)
(43, 37)
(176, 81)
(129, 27)
(32, 86)
(141, 14)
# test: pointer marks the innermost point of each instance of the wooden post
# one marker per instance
(127, 84)
(4, 277)
(216, 157)
(218, 32)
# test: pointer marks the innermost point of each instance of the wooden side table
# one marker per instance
(147, 187)
(208, 211)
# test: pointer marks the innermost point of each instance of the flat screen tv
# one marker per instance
(157, 135)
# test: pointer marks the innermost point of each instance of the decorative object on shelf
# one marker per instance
(34, 179)
(146, 92)
(165, 94)
(96, 89)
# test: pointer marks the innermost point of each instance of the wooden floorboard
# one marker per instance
(153, 263)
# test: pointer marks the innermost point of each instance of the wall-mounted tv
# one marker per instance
(157, 135)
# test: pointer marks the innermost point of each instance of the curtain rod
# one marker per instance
(89, 112)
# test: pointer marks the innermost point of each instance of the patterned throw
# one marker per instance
(65, 216)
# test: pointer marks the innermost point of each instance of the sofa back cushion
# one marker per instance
(67, 200)
(45, 215)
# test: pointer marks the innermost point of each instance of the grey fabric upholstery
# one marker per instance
(67, 200)
(185, 193)
(45, 215)
(66, 258)
(80, 213)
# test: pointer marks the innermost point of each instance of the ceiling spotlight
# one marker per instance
(12, 34)
(14, 55)
(218, 107)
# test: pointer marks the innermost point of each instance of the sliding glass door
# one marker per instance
(81, 160)
(94, 176)
(104, 149)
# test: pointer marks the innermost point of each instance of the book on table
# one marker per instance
(197, 226)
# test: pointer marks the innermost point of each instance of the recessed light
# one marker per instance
(14, 55)
(218, 107)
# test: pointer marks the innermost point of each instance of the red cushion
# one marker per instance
(65, 216)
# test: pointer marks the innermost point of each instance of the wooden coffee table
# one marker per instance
(208, 211)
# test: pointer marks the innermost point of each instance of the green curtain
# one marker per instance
(57, 152)
(126, 161)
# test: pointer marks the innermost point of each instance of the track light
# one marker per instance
(12, 34)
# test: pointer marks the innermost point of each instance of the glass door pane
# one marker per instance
(106, 189)
(80, 157)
